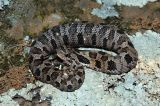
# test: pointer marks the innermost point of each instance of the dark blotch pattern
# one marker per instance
(69, 87)
(47, 64)
(124, 49)
(38, 62)
(73, 28)
(83, 59)
(88, 28)
(54, 45)
(48, 78)
(111, 65)
(54, 75)
(65, 39)
(111, 35)
(43, 39)
(70, 77)
(121, 40)
(80, 81)
(103, 30)
(94, 39)
(80, 39)
(57, 84)
(113, 45)
(45, 70)
(120, 31)
(102, 53)
(104, 43)
(30, 59)
(130, 44)
(37, 72)
(35, 50)
(92, 55)
(63, 82)
(79, 73)
(98, 64)
(104, 58)
(45, 49)
(128, 58)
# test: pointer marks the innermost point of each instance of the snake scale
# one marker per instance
(54, 57)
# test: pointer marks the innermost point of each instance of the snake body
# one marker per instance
(55, 59)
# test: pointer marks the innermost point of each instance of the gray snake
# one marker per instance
(55, 59)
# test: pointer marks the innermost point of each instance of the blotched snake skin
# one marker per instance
(55, 59)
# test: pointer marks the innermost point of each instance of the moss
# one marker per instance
(113, 21)
(8, 55)
(5, 22)
(43, 8)
(69, 10)
(4, 63)
(16, 60)
(9, 59)
(66, 7)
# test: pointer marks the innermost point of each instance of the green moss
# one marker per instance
(69, 10)
(113, 21)
(156, 10)
(43, 8)
(3, 63)
(8, 56)
(10, 59)
(66, 7)
(16, 60)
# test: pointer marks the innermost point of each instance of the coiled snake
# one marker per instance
(55, 59)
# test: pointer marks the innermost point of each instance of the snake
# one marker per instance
(55, 58)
